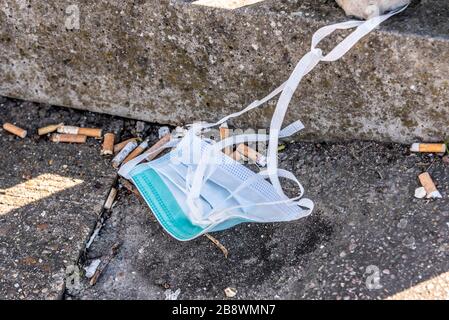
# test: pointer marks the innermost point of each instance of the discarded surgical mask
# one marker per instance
(196, 188)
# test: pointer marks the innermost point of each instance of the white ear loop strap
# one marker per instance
(305, 65)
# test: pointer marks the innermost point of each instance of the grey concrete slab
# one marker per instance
(50, 198)
(368, 238)
(176, 62)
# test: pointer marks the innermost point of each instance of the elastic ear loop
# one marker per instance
(305, 65)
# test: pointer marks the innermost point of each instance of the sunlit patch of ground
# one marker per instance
(34, 189)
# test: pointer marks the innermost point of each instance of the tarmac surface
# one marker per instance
(368, 237)
(50, 198)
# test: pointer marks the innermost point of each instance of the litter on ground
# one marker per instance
(15, 130)
(429, 186)
(108, 144)
(218, 244)
(49, 129)
(230, 292)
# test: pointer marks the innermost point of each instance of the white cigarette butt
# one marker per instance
(118, 159)
(110, 199)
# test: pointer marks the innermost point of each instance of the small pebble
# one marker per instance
(409, 242)
(402, 223)
(420, 193)
(446, 159)
(230, 292)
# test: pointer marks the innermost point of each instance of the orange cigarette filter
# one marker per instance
(252, 154)
(90, 132)
(49, 129)
(68, 138)
(137, 151)
(15, 130)
(429, 186)
(121, 145)
(108, 144)
(157, 145)
(225, 133)
(428, 147)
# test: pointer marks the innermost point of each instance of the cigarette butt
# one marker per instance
(121, 145)
(89, 132)
(137, 151)
(429, 186)
(252, 154)
(157, 145)
(128, 185)
(68, 138)
(225, 133)
(108, 144)
(15, 130)
(428, 147)
(118, 159)
(49, 129)
(68, 129)
(110, 199)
